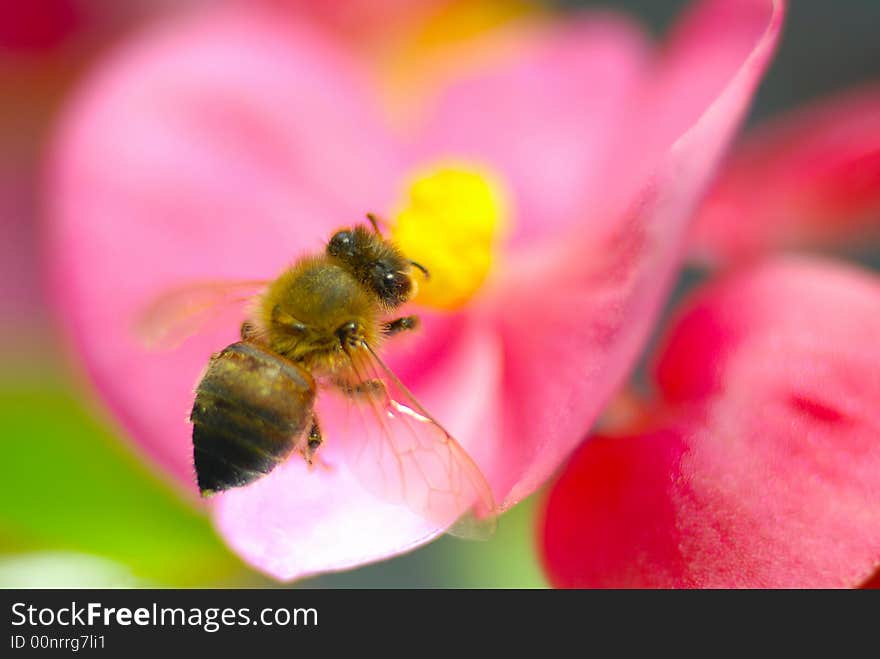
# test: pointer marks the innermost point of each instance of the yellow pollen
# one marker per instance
(450, 223)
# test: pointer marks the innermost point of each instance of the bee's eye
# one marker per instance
(392, 287)
(341, 244)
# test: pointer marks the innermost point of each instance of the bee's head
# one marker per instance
(390, 281)
(344, 245)
(375, 262)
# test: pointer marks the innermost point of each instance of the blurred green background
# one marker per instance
(80, 507)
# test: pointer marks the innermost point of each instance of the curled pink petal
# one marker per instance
(582, 313)
(758, 465)
(808, 178)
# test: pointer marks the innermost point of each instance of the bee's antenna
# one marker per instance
(375, 221)
(422, 268)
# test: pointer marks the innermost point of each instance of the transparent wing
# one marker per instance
(403, 455)
(182, 311)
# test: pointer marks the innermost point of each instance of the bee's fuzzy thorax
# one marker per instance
(303, 309)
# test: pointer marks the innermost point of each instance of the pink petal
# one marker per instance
(338, 524)
(542, 114)
(574, 319)
(293, 523)
(759, 465)
(201, 151)
(809, 178)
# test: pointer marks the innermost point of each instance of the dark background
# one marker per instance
(827, 45)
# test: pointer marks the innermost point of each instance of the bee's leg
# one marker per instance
(313, 443)
(248, 331)
(404, 324)
(374, 388)
(281, 317)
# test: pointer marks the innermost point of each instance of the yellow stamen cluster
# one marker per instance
(450, 223)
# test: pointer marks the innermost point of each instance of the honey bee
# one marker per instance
(312, 335)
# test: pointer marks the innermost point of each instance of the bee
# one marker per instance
(311, 340)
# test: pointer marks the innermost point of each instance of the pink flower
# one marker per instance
(806, 179)
(226, 146)
(758, 462)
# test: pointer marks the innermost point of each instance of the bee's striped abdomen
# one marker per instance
(251, 408)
